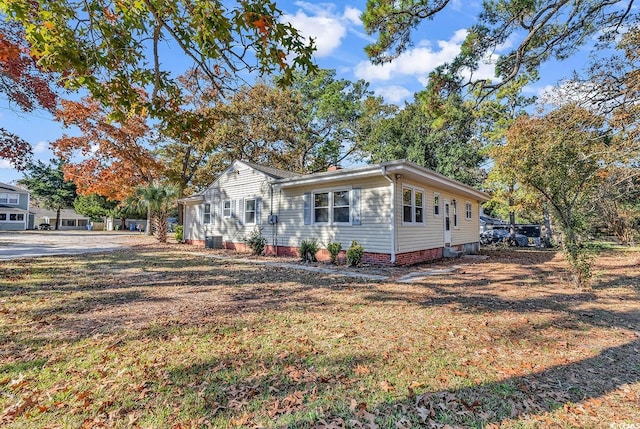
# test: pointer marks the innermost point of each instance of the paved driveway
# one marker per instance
(28, 244)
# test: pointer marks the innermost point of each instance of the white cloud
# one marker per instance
(423, 59)
(353, 15)
(40, 147)
(5, 164)
(321, 23)
(486, 70)
(418, 62)
(394, 93)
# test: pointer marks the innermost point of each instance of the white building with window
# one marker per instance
(69, 218)
(400, 212)
(14, 208)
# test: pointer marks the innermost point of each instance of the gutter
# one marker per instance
(392, 261)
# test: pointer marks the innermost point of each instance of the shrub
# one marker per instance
(354, 254)
(308, 250)
(178, 232)
(256, 241)
(334, 249)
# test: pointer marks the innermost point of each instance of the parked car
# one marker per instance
(492, 236)
(44, 226)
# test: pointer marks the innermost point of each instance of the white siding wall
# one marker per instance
(374, 232)
(431, 234)
(236, 186)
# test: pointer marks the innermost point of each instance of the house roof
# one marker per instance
(272, 172)
(393, 170)
(64, 213)
(6, 187)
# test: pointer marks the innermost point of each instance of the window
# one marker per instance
(250, 211)
(82, 222)
(226, 208)
(68, 222)
(436, 204)
(207, 214)
(412, 205)
(468, 210)
(419, 218)
(7, 198)
(321, 207)
(3, 216)
(454, 203)
(332, 207)
(407, 198)
(16, 217)
(341, 207)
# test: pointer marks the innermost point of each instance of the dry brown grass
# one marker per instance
(161, 337)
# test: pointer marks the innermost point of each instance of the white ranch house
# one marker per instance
(400, 212)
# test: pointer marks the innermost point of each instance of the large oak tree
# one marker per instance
(115, 48)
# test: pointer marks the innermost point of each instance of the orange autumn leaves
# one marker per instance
(114, 156)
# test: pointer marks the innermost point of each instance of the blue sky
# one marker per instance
(340, 39)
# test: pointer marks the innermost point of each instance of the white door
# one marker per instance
(447, 224)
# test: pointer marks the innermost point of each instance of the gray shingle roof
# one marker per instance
(276, 173)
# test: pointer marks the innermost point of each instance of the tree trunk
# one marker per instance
(148, 230)
(57, 226)
(547, 225)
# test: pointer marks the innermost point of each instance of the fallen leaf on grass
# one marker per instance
(386, 386)
(241, 421)
(17, 409)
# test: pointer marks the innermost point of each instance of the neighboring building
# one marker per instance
(14, 208)
(69, 218)
(400, 212)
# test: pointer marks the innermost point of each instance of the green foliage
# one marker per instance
(256, 241)
(334, 249)
(545, 31)
(354, 254)
(159, 200)
(308, 250)
(435, 131)
(47, 184)
(123, 39)
(178, 232)
(95, 206)
(580, 258)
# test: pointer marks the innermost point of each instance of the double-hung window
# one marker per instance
(412, 205)
(436, 204)
(321, 207)
(341, 207)
(16, 217)
(208, 218)
(332, 207)
(454, 204)
(226, 208)
(250, 211)
(8, 198)
(468, 210)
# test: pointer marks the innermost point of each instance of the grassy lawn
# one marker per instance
(160, 337)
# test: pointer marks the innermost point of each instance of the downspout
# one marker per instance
(393, 214)
(274, 226)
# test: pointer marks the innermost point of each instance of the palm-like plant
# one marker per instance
(158, 200)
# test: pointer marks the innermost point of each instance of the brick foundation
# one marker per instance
(407, 258)
(411, 258)
(195, 242)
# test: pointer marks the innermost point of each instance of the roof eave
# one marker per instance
(400, 167)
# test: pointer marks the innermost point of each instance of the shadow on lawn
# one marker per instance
(233, 381)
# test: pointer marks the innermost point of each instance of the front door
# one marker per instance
(447, 224)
